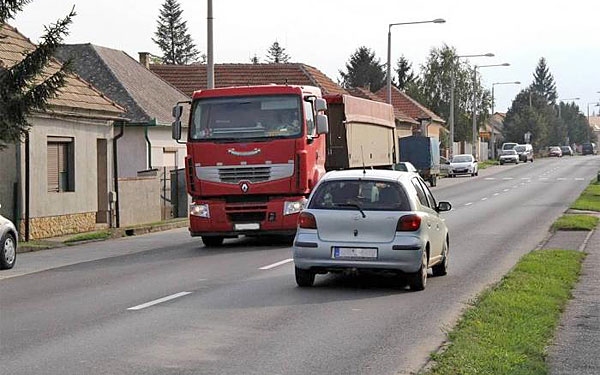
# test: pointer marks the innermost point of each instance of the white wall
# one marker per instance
(85, 134)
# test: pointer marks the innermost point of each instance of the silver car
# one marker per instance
(463, 164)
(8, 243)
(373, 220)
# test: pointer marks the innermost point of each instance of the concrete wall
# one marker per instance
(133, 149)
(139, 200)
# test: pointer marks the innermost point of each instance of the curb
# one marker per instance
(51, 243)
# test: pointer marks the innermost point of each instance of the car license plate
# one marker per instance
(246, 226)
(354, 252)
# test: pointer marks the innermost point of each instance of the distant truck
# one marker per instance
(254, 153)
(424, 153)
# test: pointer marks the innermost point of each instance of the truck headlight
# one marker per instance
(200, 210)
(294, 207)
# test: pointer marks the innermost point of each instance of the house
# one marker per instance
(189, 78)
(432, 125)
(404, 123)
(144, 142)
(58, 180)
(594, 122)
(495, 124)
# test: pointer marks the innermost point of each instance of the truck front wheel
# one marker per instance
(212, 241)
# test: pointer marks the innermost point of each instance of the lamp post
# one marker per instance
(452, 88)
(492, 141)
(564, 100)
(475, 136)
(389, 52)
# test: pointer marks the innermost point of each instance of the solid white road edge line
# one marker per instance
(276, 264)
(160, 300)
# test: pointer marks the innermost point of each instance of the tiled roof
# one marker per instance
(367, 94)
(408, 105)
(189, 78)
(76, 95)
(144, 95)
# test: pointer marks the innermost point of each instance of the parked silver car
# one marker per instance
(373, 220)
(8, 243)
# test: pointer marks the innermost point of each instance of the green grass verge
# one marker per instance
(590, 198)
(487, 163)
(576, 222)
(91, 236)
(510, 326)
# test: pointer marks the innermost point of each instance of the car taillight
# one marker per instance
(408, 223)
(307, 221)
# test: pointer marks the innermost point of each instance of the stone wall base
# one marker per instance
(56, 226)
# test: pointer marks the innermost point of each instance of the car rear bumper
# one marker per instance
(401, 255)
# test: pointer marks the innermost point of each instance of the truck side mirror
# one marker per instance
(176, 126)
(320, 104)
(322, 124)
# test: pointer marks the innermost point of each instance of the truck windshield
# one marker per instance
(229, 118)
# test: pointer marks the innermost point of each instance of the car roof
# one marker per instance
(462, 155)
(378, 174)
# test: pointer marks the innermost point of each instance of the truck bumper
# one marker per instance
(245, 218)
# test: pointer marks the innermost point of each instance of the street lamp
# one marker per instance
(492, 141)
(389, 52)
(452, 88)
(475, 136)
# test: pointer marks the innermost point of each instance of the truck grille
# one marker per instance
(232, 175)
(253, 173)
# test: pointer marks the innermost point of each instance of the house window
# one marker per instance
(61, 175)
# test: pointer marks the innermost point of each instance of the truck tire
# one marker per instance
(212, 241)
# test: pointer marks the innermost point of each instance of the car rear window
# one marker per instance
(369, 195)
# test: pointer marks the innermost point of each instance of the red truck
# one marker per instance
(254, 153)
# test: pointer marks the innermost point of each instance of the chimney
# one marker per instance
(145, 59)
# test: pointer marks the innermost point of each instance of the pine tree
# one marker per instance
(18, 96)
(254, 59)
(363, 70)
(543, 82)
(404, 72)
(172, 36)
(276, 54)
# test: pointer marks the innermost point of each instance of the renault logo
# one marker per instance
(244, 186)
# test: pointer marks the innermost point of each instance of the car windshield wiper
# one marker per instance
(355, 205)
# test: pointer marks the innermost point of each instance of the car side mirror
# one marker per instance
(443, 206)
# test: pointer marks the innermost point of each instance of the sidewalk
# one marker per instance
(50, 243)
(576, 347)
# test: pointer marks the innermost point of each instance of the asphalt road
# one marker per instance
(164, 304)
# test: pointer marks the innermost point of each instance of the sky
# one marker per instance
(324, 34)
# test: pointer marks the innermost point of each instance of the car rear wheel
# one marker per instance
(441, 269)
(418, 280)
(212, 241)
(304, 278)
(8, 248)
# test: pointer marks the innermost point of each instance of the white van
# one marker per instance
(508, 146)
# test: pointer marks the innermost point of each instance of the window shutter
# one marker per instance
(53, 167)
